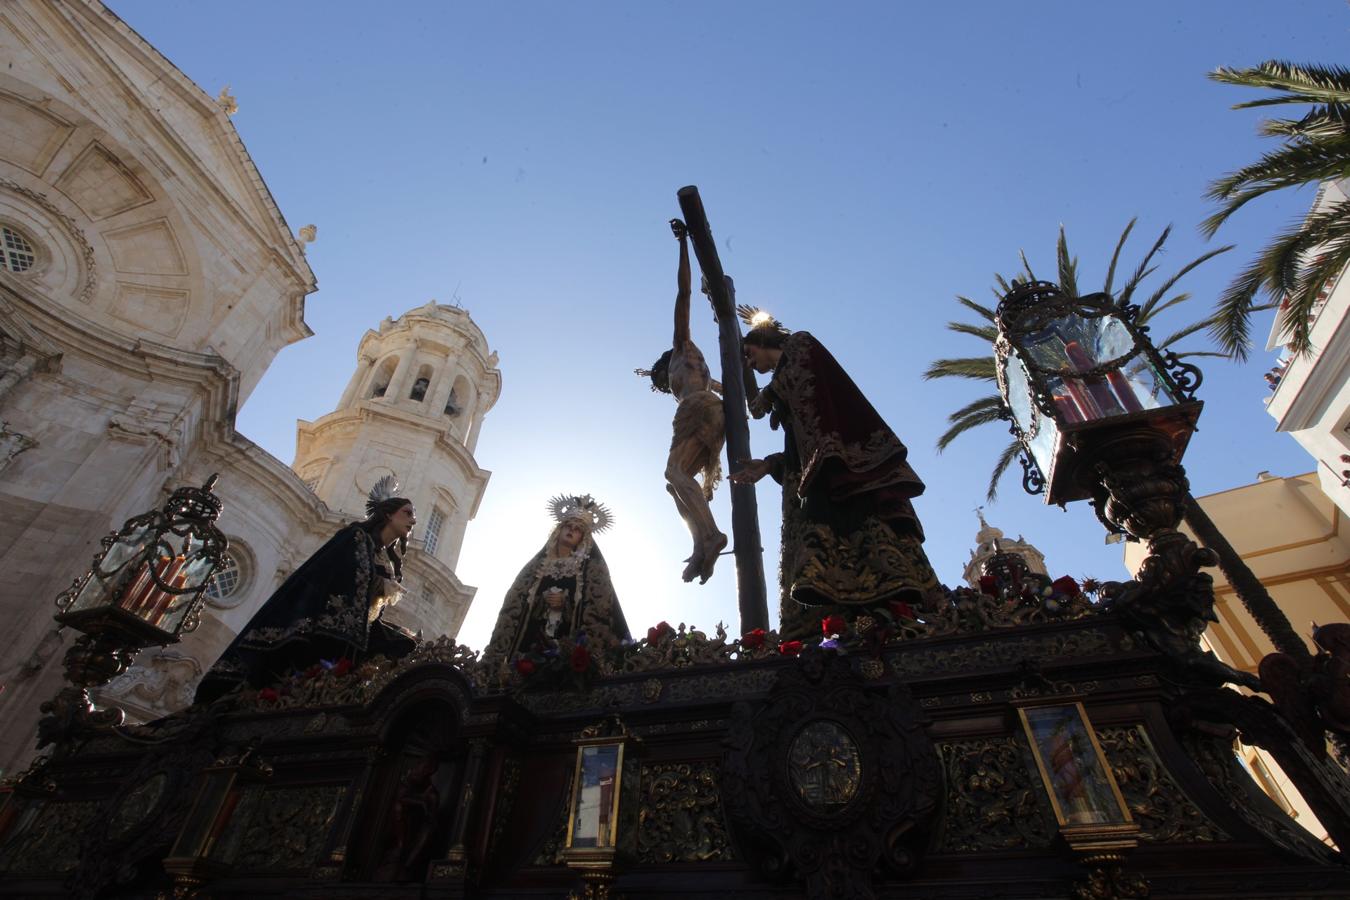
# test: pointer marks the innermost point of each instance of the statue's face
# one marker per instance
(570, 535)
(761, 359)
(403, 520)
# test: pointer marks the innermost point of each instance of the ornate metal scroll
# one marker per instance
(51, 842)
(287, 828)
(994, 801)
(680, 817)
(1157, 802)
(1220, 764)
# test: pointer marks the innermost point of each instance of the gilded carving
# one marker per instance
(680, 818)
(1219, 763)
(994, 802)
(1156, 801)
(51, 841)
(286, 828)
(915, 661)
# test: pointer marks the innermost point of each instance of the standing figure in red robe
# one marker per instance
(851, 539)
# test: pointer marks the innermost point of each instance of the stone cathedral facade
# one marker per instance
(147, 281)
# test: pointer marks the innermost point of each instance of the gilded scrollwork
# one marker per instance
(1156, 801)
(50, 842)
(680, 816)
(286, 828)
(364, 683)
(993, 799)
(1220, 764)
(918, 660)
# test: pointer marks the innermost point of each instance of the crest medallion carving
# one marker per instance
(831, 779)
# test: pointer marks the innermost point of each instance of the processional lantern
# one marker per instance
(199, 852)
(1091, 812)
(602, 820)
(145, 588)
(1074, 372)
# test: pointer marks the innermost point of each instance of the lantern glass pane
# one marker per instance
(1043, 430)
(596, 801)
(128, 547)
(197, 830)
(1073, 770)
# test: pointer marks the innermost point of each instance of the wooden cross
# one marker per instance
(744, 509)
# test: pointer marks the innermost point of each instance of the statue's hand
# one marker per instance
(679, 229)
(751, 470)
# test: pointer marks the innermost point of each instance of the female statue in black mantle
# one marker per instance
(330, 607)
(563, 591)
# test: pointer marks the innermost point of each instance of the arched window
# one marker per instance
(433, 530)
(230, 584)
(421, 384)
(380, 383)
(16, 251)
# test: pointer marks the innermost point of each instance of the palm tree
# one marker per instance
(990, 408)
(1300, 260)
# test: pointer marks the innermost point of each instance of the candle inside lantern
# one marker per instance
(145, 598)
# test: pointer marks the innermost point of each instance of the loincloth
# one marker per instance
(699, 418)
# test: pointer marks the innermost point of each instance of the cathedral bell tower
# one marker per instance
(413, 409)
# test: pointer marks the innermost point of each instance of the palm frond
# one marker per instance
(1143, 270)
(987, 333)
(1146, 309)
(1329, 121)
(1297, 314)
(1005, 459)
(983, 312)
(1293, 165)
(1160, 309)
(1211, 353)
(1183, 333)
(1067, 265)
(1232, 327)
(1330, 84)
(981, 412)
(976, 368)
(1115, 256)
(1026, 266)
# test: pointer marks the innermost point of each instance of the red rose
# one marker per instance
(525, 666)
(1066, 585)
(790, 648)
(902, 610)
(342, 667)
(989, 585)
(752, 640)
(658, 631)
(833, 624)
(581, 660)
(269, 695)
(313, 671)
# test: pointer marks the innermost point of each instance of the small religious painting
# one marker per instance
(824, 766)
(595, 803)
(1072, 766)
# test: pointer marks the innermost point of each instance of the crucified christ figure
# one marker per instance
(699, 429)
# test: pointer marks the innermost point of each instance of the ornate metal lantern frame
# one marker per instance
(1052, 428)
(147, 584)
(602, 817)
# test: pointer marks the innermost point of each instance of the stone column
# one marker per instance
(401, 380)
(358, 378)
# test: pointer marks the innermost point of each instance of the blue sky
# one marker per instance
(861, 163)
